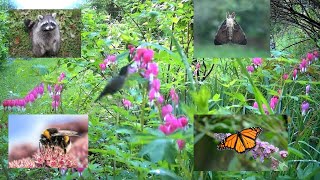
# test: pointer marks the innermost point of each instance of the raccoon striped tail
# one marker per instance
(28, 25)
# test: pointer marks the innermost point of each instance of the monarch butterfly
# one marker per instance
(241, 141)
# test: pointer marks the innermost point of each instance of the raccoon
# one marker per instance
(45, 35)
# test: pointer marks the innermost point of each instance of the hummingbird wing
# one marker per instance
(113, 86)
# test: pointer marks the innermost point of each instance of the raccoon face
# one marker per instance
(47, 22)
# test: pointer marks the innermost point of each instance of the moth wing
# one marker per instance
(222, 34)
(238, 35)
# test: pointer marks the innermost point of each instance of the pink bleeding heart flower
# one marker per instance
(152, 94)
(31, 98)
(126, 103)
(62, 76)
(167, 109)
(56, 98)
(250, 69)
(102, 67)
(5, 104)
(80, 170)
(255, 105)
(147, 56)
(166, 129)
(273, 102)
(257, 61)
(310, 57)
(174, 96)
(183, 121)
(295, 74)
(155, 84)
(40, 90)
(112, 58)
(265, 109)
(181, 144)
(152, 71)
(285, 76)
(160, 99)
(55, 105)
(303, 65)
(139, 54)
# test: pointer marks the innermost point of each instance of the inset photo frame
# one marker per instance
(240, 143)
(231, 29)
(45, 33)
(51, 141)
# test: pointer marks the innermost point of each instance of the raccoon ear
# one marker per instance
(54, 15)
(40, 17)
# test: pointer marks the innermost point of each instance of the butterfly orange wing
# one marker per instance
(241, 141)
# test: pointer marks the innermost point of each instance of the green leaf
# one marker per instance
(295, 152)
(159, 150)
(216, 98)
(201, 99)
(42, 70)
(230, 83)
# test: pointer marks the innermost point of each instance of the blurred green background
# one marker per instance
(252, 16)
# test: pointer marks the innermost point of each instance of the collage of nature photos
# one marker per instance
(159, 89)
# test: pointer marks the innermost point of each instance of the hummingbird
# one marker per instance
(115, 84)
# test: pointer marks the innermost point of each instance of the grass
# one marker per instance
(236, 51)
(20, 76)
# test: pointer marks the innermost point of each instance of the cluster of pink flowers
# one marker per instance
(55, 158)
(55, 92)
(111, 59)
(23, 163)
(305, 62)
(149, 70)
(264, 150)
(143, 62)
(273, 103)
(172, 123)
(20, 104)
(256, 62)
(305, 104)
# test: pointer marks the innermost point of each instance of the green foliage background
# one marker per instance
(127, 144)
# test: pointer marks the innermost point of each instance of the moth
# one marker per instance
(230, 32)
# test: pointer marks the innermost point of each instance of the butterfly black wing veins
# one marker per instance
(249, 133)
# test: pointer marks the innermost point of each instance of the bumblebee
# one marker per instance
(52, 137)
